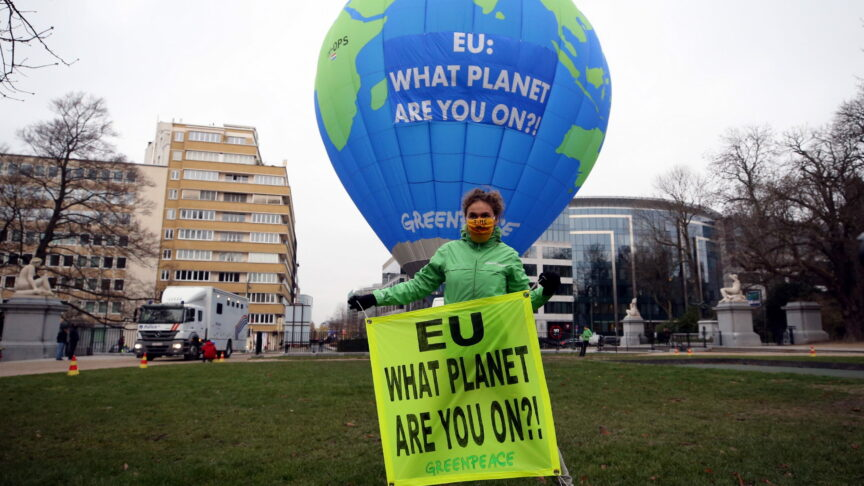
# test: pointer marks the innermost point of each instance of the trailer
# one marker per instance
(189, 316)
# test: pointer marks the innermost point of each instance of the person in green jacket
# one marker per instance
(477, 265)
(586, 336)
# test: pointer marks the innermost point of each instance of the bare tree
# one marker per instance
(687, 194)
(657, 274)
(796, 209)
(73, 202)
(19, 39)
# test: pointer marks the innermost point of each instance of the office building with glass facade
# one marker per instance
(609, 250)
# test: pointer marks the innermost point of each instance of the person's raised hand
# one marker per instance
(361, 302)
(550, 281)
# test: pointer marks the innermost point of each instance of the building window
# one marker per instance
(263, 258)
(116, 307)
(530, 269)
(121, 262)
(262, 318)
(10, 282)
(95, 261)
(557, 253)
(236, 178)
(230, 256)
(92, 284)
(558, 308)
(561, 270)
(166, 254)
(199, 214)
(264, 237)
(176, 155)
(68, 260)
(205, 137)
(107, 262)
(175, 175)
(118, 284)
(236, 140)
(103, 307)
(106, 285)
(169, 214)
(178, 136)
(231, 236)
(229, 277)
(234, 217)
(195, 234)
(239, 159)
(165, 275)
(172, 193)
(200, 175)
(530, 252)
(266, 218)
(169, 234)
(234, 197)
(255, 277)
(269, 180)
(53, 260)
(261, 298)
(192, 275)
(204, 255)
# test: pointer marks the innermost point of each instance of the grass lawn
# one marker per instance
(314, 422)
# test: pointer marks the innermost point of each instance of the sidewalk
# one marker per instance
(85, 363)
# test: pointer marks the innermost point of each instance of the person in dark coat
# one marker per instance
(73, 342)
(62, 338)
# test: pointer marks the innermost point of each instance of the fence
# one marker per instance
(98, 340)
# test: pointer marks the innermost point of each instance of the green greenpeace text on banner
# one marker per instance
(461, 393)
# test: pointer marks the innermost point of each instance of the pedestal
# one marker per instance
(735, 320)
(30, 327)
(633, 327)
(710, 330)
(805, 320)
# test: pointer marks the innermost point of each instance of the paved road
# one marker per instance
(782, 369)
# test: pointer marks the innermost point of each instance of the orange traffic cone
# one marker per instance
(676, 351)
(689, 351)
(73, 367)
(221, 358)
(143, 364)
(813, 351)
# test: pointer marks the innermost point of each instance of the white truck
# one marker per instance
(187, 317)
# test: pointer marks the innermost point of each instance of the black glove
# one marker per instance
(550, 281)
(361, 302)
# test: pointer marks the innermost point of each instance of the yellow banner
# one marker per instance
(461, 393)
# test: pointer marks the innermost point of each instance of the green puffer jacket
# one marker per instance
(470, 270)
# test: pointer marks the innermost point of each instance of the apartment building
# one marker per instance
(227, 220)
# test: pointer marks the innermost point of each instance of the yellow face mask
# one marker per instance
(481, 229)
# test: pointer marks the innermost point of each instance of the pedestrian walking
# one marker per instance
(73, 342)
(62, 338)
(586, 336)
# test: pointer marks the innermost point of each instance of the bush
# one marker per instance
(353, 345)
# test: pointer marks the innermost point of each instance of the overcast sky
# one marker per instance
(682, 72)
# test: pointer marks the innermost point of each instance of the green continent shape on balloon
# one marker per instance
(595, 76)
(486, 5)
(379, 94)
(336, 100)
(584, 146)
(370, 8)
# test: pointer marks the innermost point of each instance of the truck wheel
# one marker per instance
(228, 350)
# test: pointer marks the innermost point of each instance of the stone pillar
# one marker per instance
(735, 320)
(710, 330)
(30, 327)
(806, 320)
(633, 327)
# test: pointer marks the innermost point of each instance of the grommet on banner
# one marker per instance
(368, 321)
(526, 295)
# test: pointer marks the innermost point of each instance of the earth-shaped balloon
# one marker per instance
(419, 101)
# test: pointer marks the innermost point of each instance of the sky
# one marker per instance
(683, 72)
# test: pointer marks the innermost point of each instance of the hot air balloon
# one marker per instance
(419, 101)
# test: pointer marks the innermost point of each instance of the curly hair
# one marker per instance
(492, 198)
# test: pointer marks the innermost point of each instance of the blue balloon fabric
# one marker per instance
(419, 101)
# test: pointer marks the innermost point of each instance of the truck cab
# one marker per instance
(170, 330)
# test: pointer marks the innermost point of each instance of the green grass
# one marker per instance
(313, 422)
